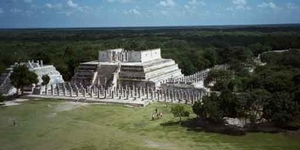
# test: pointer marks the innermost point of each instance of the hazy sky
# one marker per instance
(108, 13)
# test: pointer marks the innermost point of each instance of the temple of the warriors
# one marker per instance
(119, 76)
(38, 67)
(123, 67)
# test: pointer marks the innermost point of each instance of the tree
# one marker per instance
(258, 48)
(45, 79)
(1, 98)
(280, 108)
(221, 78)
(209, 108)
(211, 55)
(179, 111)
(228, 103)
(199, 110)
(250, 105)
(240, 54)
(21, 77)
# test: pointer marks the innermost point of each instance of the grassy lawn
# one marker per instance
(48, 125)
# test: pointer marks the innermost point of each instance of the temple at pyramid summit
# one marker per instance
(127, 67)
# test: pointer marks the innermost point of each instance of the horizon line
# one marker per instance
(154, 26)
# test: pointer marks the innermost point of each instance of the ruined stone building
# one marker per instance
(122, 67)
(38, 67)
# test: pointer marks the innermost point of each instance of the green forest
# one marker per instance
(192, 48)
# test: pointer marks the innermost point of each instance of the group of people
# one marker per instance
(156, 114)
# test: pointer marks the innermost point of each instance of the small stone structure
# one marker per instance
(38, 67)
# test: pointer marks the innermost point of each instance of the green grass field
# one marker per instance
(49, 125)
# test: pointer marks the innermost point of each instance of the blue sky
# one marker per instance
(111, 13)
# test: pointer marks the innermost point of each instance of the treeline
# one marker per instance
(192, 48)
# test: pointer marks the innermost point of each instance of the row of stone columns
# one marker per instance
(194, 78)
(126, 93)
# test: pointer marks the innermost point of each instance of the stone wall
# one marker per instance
(108, 55)
(120, 55)
(144, 56)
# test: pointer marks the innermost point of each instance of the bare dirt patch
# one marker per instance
(66, 106)
(158, 145)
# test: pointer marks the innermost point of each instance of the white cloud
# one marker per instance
(48, 5)
(239, 2)
(125, 1)
(1, 11)
(121, 1)
(71, 4)
(27, 1)
(230, 9)
(195, 2)
(132, 11)
(267, 5)
(71, 7)
(53, 6)
(15, 10)
(166, 3)
(240, 5)
(291, 6)
(28, 13)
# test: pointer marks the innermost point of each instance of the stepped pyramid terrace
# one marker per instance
(126, 67)
(38, 67)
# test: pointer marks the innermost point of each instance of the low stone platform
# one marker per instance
(134, 103)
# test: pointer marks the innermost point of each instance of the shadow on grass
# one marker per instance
(202, 125)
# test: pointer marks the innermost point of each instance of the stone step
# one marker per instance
(161, 71)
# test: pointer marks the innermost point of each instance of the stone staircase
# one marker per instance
(5, 81)
(85, 74)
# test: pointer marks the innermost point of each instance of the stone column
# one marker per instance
(98, 92)
(71, 92)
(92, 93)
(117, 92)
(83, 92)
(112, 95)
(133, 88)
(64, 90)
(57, 88)
(168, 94)
(105, 94)
(127, 94)
(172, 96)
(144, 91)
(122, 91)
(46, 90)
(77, 92)
(192, 99)
(151, 94)
(147, 94)
(186, 97)
(139, 92)
(165, 95)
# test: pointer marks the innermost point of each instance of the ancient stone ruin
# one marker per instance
(118, 66)
(122, 76)
(38, 67)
